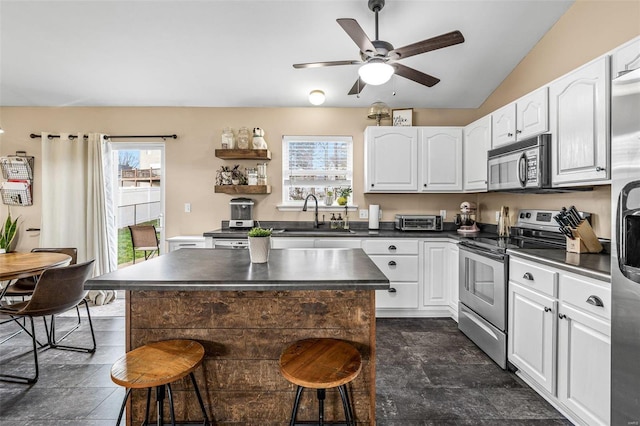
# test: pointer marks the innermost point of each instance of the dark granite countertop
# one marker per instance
(594, 265)
(209, 269)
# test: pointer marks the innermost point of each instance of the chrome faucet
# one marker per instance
(316, 224)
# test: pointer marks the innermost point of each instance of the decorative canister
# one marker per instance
(228, 140)
(252, 176)
(262, 173)
(243, 138)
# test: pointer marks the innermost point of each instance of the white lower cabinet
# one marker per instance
(435, 273)
(398, 260)
(186, 241)
(560, 338)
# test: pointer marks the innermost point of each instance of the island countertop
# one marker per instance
(232, 270)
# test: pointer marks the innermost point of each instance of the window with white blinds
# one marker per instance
(315, 165)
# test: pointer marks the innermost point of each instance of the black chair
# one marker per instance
(57, 291)
(144, 238)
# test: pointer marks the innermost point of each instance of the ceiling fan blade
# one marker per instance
(357, 34)
(357, 87)
(415, 75)
(325, 64)
(444, 40)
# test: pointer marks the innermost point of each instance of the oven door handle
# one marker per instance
(522, 170)
(495, 256)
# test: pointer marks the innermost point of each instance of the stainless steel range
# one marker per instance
(484, 274)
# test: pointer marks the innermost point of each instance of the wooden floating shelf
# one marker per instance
(243, 154)
(243, 189)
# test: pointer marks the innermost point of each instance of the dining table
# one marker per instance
(15, 265)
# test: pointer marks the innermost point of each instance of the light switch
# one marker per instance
(364, 214)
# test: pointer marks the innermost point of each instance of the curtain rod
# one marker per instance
(72, 137)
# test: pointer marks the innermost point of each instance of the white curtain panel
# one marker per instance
(77, 200)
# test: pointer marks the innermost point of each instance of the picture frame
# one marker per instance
(402, 117)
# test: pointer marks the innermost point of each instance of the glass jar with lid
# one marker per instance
(252, 176)
(228, 139)
(243, 138)
(262, 173)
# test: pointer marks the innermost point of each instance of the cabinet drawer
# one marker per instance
(398, 268)
(533, 276)
(585, 294)
(390, 246)
(404, 296)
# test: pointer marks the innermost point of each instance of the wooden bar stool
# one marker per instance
(321, 364)
(157, 365)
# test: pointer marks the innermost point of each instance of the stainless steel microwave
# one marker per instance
(521, 165)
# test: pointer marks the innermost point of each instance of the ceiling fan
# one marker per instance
(378, 57)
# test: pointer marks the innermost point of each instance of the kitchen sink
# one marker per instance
(313, 231)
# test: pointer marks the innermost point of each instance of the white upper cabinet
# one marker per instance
(625, 58)
(412, 159)
(440, 154)
(522, 119)
(579, 122)
(391, 155)
(477, 141)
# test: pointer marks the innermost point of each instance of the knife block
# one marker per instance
(585, 240)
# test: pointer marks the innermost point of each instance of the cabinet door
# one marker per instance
(625, 58)
(532, 114)
(477, 141)
(579, 122)
(531, 343)
(391, 159)
(435, 271)
(584, 365)
(504, 125)
(440, 153)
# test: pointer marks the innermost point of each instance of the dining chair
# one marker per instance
(57, 291)
(144, 238)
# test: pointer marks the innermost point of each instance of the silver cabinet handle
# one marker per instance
(547, 309)
(509, 134)
(595, 301)
(392, 263)
(600, 169)
(528, 276)
(562, 316)
(518, 131)
(392, 248)
(391, 290)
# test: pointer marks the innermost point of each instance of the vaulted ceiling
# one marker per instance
(239, 53)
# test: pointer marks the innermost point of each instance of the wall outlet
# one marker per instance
(364, 213)
(187, 207)
(380, 214)
(443, 213)
(497, 216)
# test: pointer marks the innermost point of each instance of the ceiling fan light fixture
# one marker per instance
(375, 72)
(317, 97)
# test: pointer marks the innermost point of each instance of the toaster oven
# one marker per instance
(418, 222)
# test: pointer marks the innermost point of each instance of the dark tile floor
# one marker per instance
(428, 374)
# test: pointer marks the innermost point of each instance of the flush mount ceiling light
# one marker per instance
(316, 97)
(375, 72)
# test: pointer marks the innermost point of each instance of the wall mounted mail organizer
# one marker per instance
(17, 171)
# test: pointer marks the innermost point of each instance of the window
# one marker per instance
(315, 165)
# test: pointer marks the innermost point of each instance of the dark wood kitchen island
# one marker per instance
(245, 314)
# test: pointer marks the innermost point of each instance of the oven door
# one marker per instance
(483, 284)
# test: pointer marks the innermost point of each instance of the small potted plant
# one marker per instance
(8, 233)
(259, 244)
(344, 195)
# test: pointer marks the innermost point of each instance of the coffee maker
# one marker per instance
(241, 213)
(466, 220)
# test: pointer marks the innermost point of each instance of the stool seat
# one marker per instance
(157, 364)
(320, 363)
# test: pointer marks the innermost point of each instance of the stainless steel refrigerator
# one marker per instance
(625, 249)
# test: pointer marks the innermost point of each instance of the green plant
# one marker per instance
(8, 232)
(345, 192)
(259, 232)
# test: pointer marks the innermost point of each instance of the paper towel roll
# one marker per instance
(374, 212)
